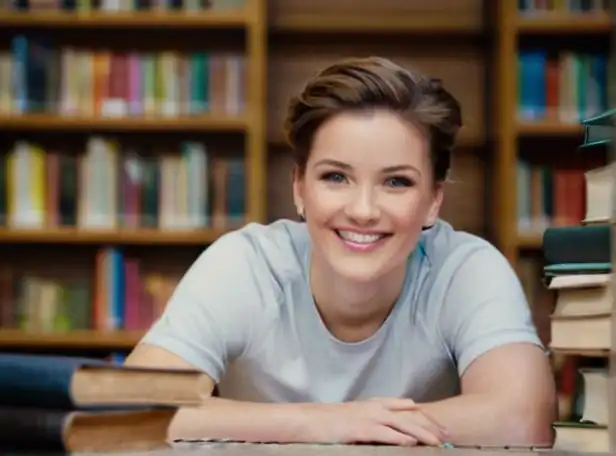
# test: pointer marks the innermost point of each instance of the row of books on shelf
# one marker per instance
(121, 294)
(119, 5)
(36, 76)
(109, 186)
(562, 6)
(567, 87)
(549, 196)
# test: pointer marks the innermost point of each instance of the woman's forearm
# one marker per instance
(483, 419)
(242, 421)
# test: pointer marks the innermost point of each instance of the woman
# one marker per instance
(373, 321)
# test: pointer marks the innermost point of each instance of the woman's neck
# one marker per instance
(353, 311)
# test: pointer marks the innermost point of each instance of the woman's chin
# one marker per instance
(359, 272)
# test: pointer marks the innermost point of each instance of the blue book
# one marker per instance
(70, 383)
(25, 430)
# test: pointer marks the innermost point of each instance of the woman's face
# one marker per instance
(366, 193)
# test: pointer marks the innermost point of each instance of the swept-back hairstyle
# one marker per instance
(375, 83)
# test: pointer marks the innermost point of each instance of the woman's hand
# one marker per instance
(383, 420)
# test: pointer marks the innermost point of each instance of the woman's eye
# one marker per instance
(399, 182)
(334, 177)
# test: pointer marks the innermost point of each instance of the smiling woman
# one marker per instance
(374, 320)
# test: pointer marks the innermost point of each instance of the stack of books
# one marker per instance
(578, 266)
(66, 405)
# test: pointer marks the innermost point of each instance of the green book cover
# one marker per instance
(599, 130)
(577, 268)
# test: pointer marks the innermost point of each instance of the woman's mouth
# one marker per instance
(361, 242)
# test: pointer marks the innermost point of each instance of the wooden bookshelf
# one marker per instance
(510, 26)
(306, 35)
(241, 30)
(563, 24)
(529, 241)
(147, 20)
(585, 353)
(77, 236)
(388, 23)
(207, 123)
(85, 340)
(543, 128)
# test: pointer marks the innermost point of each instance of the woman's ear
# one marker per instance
(298, 190)
(435, 204)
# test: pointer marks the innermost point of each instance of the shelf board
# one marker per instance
(464, 141)
(564, 24)
(590, 353)
(116, 237)
(547, 128)
(167, 19)
(112, 340)
(530, 241)
(388, 23)
(36, 122)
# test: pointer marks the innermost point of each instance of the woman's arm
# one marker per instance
(507, 398)
(221, 306)
(386, 421)
(220, 418)
(508, 393)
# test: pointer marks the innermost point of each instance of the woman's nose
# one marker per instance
(362, 207)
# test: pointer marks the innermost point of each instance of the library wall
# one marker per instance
(296, 55)
(283, 13)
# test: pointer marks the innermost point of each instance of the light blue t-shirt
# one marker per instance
(244, 314)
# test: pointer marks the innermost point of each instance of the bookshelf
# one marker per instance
(119, 19)
(223, 29)
(512, 27)
(414, 32)
(116, 237)
(285, 41)
(33, 123)
(547, 140)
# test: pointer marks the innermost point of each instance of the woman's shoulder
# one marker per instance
(443, 245)
(279, 247)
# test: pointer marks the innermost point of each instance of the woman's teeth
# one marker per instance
(360, 238)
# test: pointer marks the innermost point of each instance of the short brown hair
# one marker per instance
(375, 83)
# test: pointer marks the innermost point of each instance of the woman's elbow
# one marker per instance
(533, 425)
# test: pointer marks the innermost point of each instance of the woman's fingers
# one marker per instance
(417, 425)
(387, 435)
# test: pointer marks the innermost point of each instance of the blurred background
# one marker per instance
(135, 132)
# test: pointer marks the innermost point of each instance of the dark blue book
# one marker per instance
(47, 431)
(64, 382)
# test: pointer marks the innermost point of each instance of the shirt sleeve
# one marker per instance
(217, 307)
(484, 307)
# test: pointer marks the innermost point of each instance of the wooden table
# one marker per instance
(235, 449)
